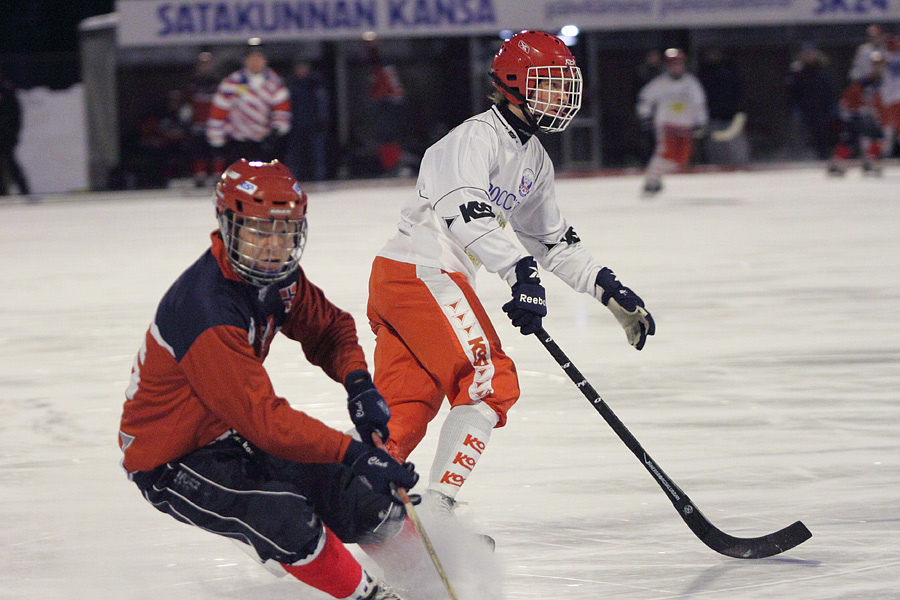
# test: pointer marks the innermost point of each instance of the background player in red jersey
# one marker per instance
(861, 110)
(199, 96)
(250, 112)
(205, 437)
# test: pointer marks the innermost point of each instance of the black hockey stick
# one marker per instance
(721, 542)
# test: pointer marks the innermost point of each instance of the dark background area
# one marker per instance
(39, 47)
(39, 40)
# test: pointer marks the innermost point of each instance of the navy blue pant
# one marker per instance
(236, 490)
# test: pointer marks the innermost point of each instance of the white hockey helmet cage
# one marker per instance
(535, 70)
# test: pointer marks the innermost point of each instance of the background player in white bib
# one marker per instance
(674, 104)
(433, 337)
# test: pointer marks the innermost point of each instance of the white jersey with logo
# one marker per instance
(472, 183)
(861, 67)
(890, 85)
(673, 101)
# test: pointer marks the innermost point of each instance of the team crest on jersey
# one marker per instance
(526, 183)
(287, 295)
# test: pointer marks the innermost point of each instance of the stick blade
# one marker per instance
(761, 547)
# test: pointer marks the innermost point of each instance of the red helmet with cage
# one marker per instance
(535, 70)
(262, 217)
(676, 61)
(674, 55)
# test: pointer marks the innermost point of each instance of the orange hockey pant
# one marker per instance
(433, 340)
(891, 116)
(675, 144)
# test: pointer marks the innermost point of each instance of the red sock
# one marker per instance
(389, 155)
(843, 152)
(333, 570)
(198, 168)
(874, 150)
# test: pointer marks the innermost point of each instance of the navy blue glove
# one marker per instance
(368, 410)
(378, 469)
(627, 307)
(529, 303)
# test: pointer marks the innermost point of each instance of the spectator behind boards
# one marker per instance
(250, 112)
(10, 126)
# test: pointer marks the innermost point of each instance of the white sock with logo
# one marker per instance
(464, 436)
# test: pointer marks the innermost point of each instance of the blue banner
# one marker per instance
(172, 22)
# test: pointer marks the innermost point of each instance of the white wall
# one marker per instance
(53, 144)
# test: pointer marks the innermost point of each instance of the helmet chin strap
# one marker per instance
(533, 124)
(518, 121)
(527, 117)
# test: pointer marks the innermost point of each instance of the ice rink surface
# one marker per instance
(770, 393)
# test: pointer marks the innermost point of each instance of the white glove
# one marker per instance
(638, 324)
(627, 307)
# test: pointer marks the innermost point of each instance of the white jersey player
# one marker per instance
(862, 66)
(434, 339)
(890, 93)
(674, 104)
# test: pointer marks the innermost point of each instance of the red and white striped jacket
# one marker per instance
(248, 107)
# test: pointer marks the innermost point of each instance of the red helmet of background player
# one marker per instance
(262, 217)
(676, 61)
(535, 60)
(674, 55)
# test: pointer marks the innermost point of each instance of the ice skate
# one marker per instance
(836, 170)
(651, 188)
(871, 169)
(383, 591)
(443, 507)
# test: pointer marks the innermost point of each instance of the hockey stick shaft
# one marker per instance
(717, 540)
(420, 529)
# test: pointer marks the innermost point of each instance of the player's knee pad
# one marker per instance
(297, 541)
(286, 550)
(388, 527)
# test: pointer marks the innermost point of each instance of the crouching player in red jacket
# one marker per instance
(205, 437)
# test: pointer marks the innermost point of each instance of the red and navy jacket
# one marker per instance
(199, 372)
(243, 111)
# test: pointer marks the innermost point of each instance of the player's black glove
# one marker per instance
(378, 469)
(529, 303)
(368, 410)
(627, 307)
